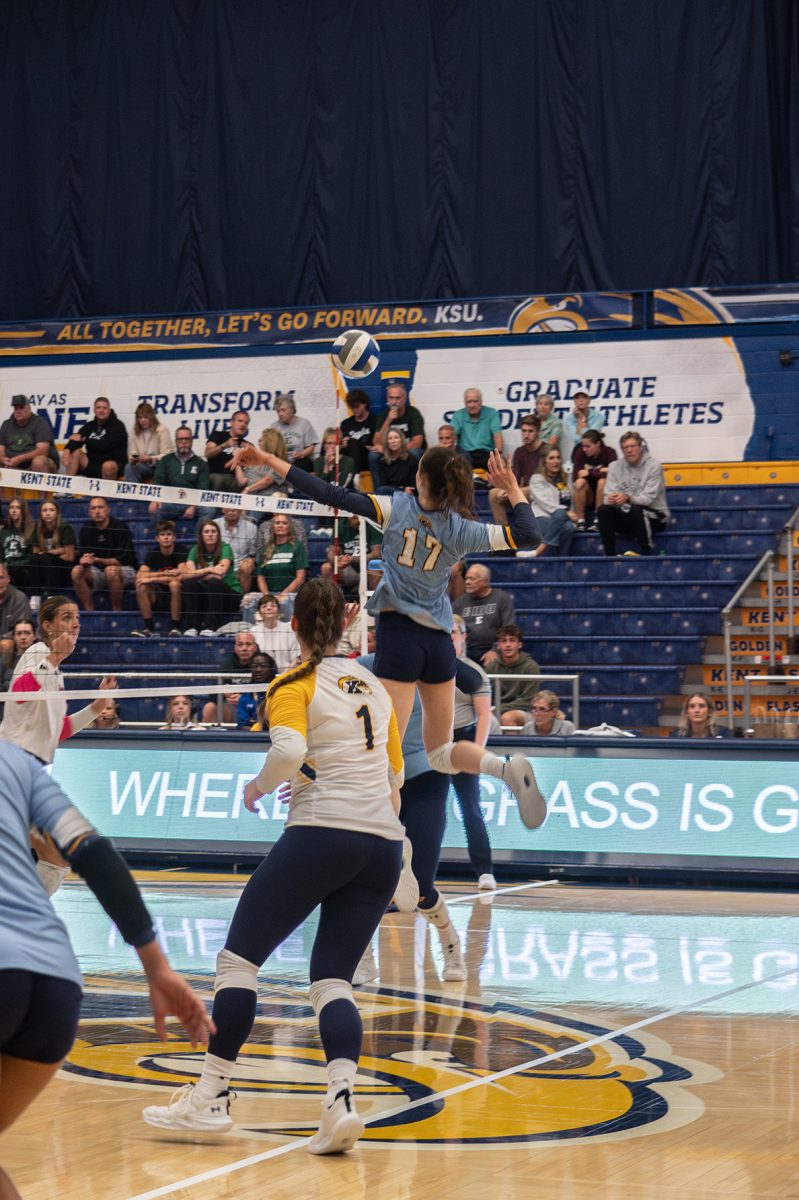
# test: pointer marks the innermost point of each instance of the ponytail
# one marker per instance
(319, 614)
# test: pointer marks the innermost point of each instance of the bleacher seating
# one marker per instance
(629, 626)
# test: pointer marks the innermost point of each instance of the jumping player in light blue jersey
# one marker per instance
(422, 538)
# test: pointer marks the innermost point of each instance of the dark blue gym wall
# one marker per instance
(166, 155)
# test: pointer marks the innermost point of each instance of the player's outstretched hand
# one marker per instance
(499, 473)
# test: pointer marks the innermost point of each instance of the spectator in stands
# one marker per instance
(53, 548)
(99, 450)
(160, 581)
(325, 465)
(408, 420)
(181, 469)
(220, 448)
(283, 563)
(472, 724)
(108, 717)
(239, 662)
(551, 426)
(698, 719)
(348, 552)
(547, 718)
(148, 443)
(550, 500)
(478, 428)
(14, 607)
(635, 498)
(397, 465)
(273, 636)
(179, 714)
(358, 430)
(577, 422)
(260, 479)
(448, 438)
(23, 635)
(350, 641)
(590, 464)
(299, 435)
(524, 464)
(215, 592)
(515, 698)
(241, 534)
(27, 442)
(262, 672)
(15, 543)
(106, 557)
(485, 610)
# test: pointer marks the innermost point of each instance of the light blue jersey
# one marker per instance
(419, 547)
(32, 938)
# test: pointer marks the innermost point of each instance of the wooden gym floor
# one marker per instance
(608, 1042)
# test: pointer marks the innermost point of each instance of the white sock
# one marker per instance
(340, 1074)
(215, 1077)
(491, 765)
(438, 915)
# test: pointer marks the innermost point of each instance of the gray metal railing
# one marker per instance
(496, 681)
(765, 563)
(784, 680)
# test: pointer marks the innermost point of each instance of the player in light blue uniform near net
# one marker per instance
(422, 538)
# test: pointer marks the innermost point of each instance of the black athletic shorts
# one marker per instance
(38, 1015)
(410, 652)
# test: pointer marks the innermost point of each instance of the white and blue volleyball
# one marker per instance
(355, 353)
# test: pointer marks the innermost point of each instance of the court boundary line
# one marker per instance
(531, 1064)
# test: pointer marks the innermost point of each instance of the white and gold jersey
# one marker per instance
(352, 747)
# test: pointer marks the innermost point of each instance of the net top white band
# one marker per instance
(113, 489)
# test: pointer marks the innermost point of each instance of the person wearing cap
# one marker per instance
(26, 440)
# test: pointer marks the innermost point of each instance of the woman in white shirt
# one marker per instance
(550, 500)
(39, 726)
(148, 442)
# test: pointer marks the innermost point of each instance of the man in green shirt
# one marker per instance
(515, 697)
(181, 469)
(478, 427)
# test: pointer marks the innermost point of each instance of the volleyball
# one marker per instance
(355, 353)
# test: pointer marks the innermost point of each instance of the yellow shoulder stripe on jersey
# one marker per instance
(378, 509)
(288, 704)
(509, 536)
(394, 745)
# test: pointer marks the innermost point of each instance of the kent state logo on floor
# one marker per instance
(415, 1048)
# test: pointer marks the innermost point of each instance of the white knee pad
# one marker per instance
(234, 972)
(440, 759)
(325, 990)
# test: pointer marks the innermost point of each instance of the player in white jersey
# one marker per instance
(335, 737)
(38, 727)
(422, 538)
(40, 983)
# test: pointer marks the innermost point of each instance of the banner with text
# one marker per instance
(721, 808)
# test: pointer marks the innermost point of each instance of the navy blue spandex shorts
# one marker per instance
(410, 652)
(38, 1016)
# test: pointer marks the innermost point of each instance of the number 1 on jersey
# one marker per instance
(364, 715)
